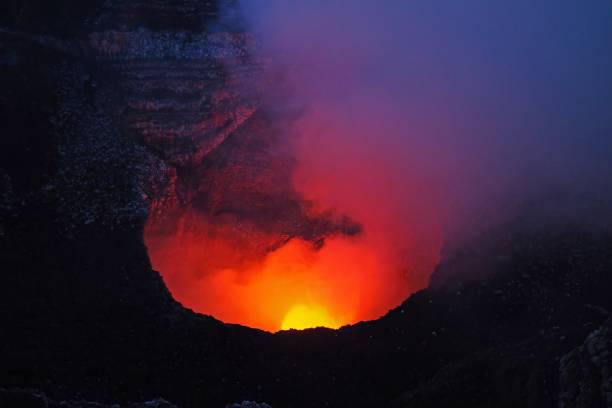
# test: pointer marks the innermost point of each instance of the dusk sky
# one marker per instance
(515, 88)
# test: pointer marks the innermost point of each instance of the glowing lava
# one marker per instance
(303, 317)
(296, 286)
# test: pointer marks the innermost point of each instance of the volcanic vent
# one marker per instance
(245, 223)
(234, 239)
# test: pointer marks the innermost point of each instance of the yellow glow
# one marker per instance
(302, 317)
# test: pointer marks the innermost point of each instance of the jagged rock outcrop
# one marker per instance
(28, 398)
(586, 372)
(184, 92)
(190, 99)
(248, 404)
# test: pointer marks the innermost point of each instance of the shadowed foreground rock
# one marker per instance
(586, 372)
(25, 398)
(248, 404)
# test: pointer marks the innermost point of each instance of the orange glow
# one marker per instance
(236, 269)
(298, 285)
(303, 317)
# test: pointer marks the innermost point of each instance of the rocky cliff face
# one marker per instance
(189, 99)
(586, 372)
(170, 91)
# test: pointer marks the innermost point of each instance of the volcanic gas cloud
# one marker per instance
(409, 119)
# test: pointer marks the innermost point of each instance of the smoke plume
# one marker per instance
(419, 119)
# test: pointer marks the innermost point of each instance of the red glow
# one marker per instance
(342, 278)
(364, 158)
(217, 271)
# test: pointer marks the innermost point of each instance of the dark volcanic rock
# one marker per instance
(27, 398)
(189, 98)
(586, 372)
(248, 404)
(23, 398)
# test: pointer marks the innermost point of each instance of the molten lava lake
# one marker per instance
(296, 285)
